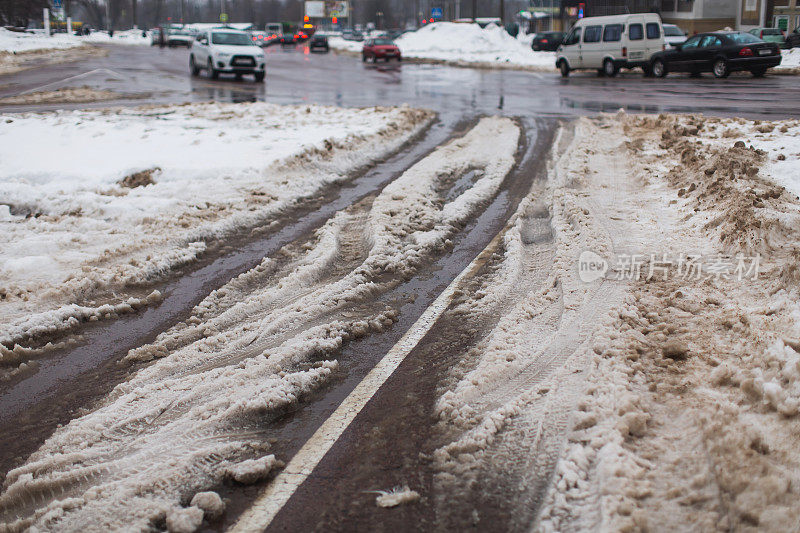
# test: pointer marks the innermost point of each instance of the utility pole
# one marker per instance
(133, 12)
(474, 10)
(502, 11)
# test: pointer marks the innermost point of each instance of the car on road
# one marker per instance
(259, 38)
(227, 51)
(770, 35)
(375, 49)
(300, 36)
(286, 38)
(179, 38)
(548, 41)
(720, 53)
(793, 39)
(319, 43)
(352, 35)
(673, 35)
(609, 43)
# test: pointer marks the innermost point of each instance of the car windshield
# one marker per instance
(673, 31)
(383, 42)
(236, 39)
(743, 38)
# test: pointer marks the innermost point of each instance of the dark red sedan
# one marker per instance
(375, 49)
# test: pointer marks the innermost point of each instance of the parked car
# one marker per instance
(611, 43)
(179, 38)
(375, 49)
(549, 41)
(352, 35)
(770, 35)
(673, 35)
(793, 39)
(319, 43)
(720, 53)
(227, 51)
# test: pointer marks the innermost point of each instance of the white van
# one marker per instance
(611, 43)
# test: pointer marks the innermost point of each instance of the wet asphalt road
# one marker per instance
(295, 76)
(152, 75)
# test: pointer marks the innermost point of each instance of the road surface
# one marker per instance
(390, 441)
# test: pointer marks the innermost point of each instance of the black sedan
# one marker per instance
(549, 40)
(720, 53)
(318, 42)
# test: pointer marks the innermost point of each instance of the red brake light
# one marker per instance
(744, 52)
(624, 51)
(544, 40)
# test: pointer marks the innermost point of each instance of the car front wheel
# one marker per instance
(193, 68)
(659, 69)
(721, 68)
(212, 72)
(259, 76)
(758, 72)
(564, 68)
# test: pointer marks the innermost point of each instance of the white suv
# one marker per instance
(224, 50)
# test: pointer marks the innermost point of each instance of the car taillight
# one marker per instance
(663, 47)
(744, 52)
(624, 51)
(544, 40)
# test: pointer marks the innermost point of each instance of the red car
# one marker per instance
(375, 49)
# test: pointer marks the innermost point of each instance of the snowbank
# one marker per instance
(790, 61)
(464, 44)
(128, 37)
(16, 42)
(124, 196)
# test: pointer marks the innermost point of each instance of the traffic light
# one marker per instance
(581, 8)
(305, 18)
(335, 20)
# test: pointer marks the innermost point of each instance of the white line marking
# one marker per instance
(272, 499)
(79, 76)
(537, 75)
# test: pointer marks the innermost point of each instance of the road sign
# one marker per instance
(57, 4)
(315, 9)
(436, 12)
(223, 17)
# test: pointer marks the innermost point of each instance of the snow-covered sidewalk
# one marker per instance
(118, 198)
(464, 45)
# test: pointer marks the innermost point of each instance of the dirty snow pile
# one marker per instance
(471, 44)
(128, 37)
(118, 198)
(196, 416)
(690, 412)
(15, 42)
(465, 44)
(790, 59)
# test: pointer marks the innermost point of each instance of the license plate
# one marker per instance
(764, 52)
(243, 62)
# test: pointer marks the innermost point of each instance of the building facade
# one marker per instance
(697, 16)
(784, 14)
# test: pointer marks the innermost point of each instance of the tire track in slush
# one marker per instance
(359, 358)
(73, 378)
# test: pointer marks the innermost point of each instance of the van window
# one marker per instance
(573, 37)
(653, 30)
(635, 32)
(592, 34)
(613, 32)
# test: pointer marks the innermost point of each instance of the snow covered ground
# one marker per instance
(464, 44)
(790, 61)
(195, 416)
(689, 416)
(16, 42)
(120, 197)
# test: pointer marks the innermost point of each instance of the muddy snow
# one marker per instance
(125, 196)
(198, 415)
